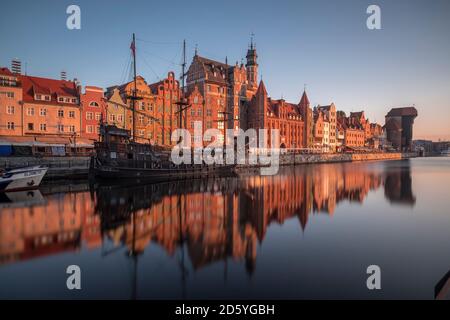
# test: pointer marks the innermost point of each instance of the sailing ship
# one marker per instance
(119, 156)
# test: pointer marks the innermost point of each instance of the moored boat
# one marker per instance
(23, 178)
(119, 157)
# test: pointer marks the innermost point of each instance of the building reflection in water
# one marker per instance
(211, 220)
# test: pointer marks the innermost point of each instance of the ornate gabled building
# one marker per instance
(226, 89)
(330, 116)
(266, 113)
(155, 115)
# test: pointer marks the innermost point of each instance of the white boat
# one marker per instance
(22, 178)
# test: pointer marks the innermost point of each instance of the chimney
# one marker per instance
(16, 66)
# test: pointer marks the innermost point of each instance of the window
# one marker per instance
(43, 127)
(7, 94)
(30, 111)
(43, 112)
(71, 114)
(89, 116)
(192, 112)
(209, 87)
(120, 118)
(209, 112)
(98, 116)
(93, 104)
(60, 128)
(220, 125)
(47, 98)
(141, 119)
(10, 126)
(38, 97)
(61, 113)
(199, 112)
(112, 117)
(72, 128)
(90, 129)
(60, 99)
(10, 110)
(31, 126)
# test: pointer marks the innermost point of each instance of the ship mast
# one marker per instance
(182, 103)
(133, 49)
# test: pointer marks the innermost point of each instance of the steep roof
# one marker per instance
(407, 111)
(52, 87)
(304, 101)
(261, 89)
(215, 70)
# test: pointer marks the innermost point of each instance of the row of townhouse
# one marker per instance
(217, 95)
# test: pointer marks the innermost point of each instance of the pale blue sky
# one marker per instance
(323, 43)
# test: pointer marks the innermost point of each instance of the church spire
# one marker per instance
(252, 64)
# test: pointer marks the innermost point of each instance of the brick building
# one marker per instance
(93, 110)
(226, 89)
(399, 127)
(155, 115)
(266, 113)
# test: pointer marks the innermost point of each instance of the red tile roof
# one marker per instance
(54, 88)
(6, 72)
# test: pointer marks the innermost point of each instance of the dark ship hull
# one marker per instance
(161, 174)
(117, 157)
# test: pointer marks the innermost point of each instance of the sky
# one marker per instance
(324, 45)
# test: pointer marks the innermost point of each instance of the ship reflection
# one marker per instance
(200, 222)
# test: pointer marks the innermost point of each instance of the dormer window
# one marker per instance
(93, 104)
(60, 99)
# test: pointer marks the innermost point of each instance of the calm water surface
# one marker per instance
(309, 232)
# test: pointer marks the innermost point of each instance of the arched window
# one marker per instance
(93, 104)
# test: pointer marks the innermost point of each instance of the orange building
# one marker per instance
(50, 107)
(93, 110)
(10, 104)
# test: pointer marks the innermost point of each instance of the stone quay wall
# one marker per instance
(293, 159)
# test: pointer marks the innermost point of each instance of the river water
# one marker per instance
(309, 232)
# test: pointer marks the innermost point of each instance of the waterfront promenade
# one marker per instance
(78, 167)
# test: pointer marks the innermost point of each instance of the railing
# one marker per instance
(52, 164)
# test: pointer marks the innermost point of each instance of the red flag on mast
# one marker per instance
(133, 47)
